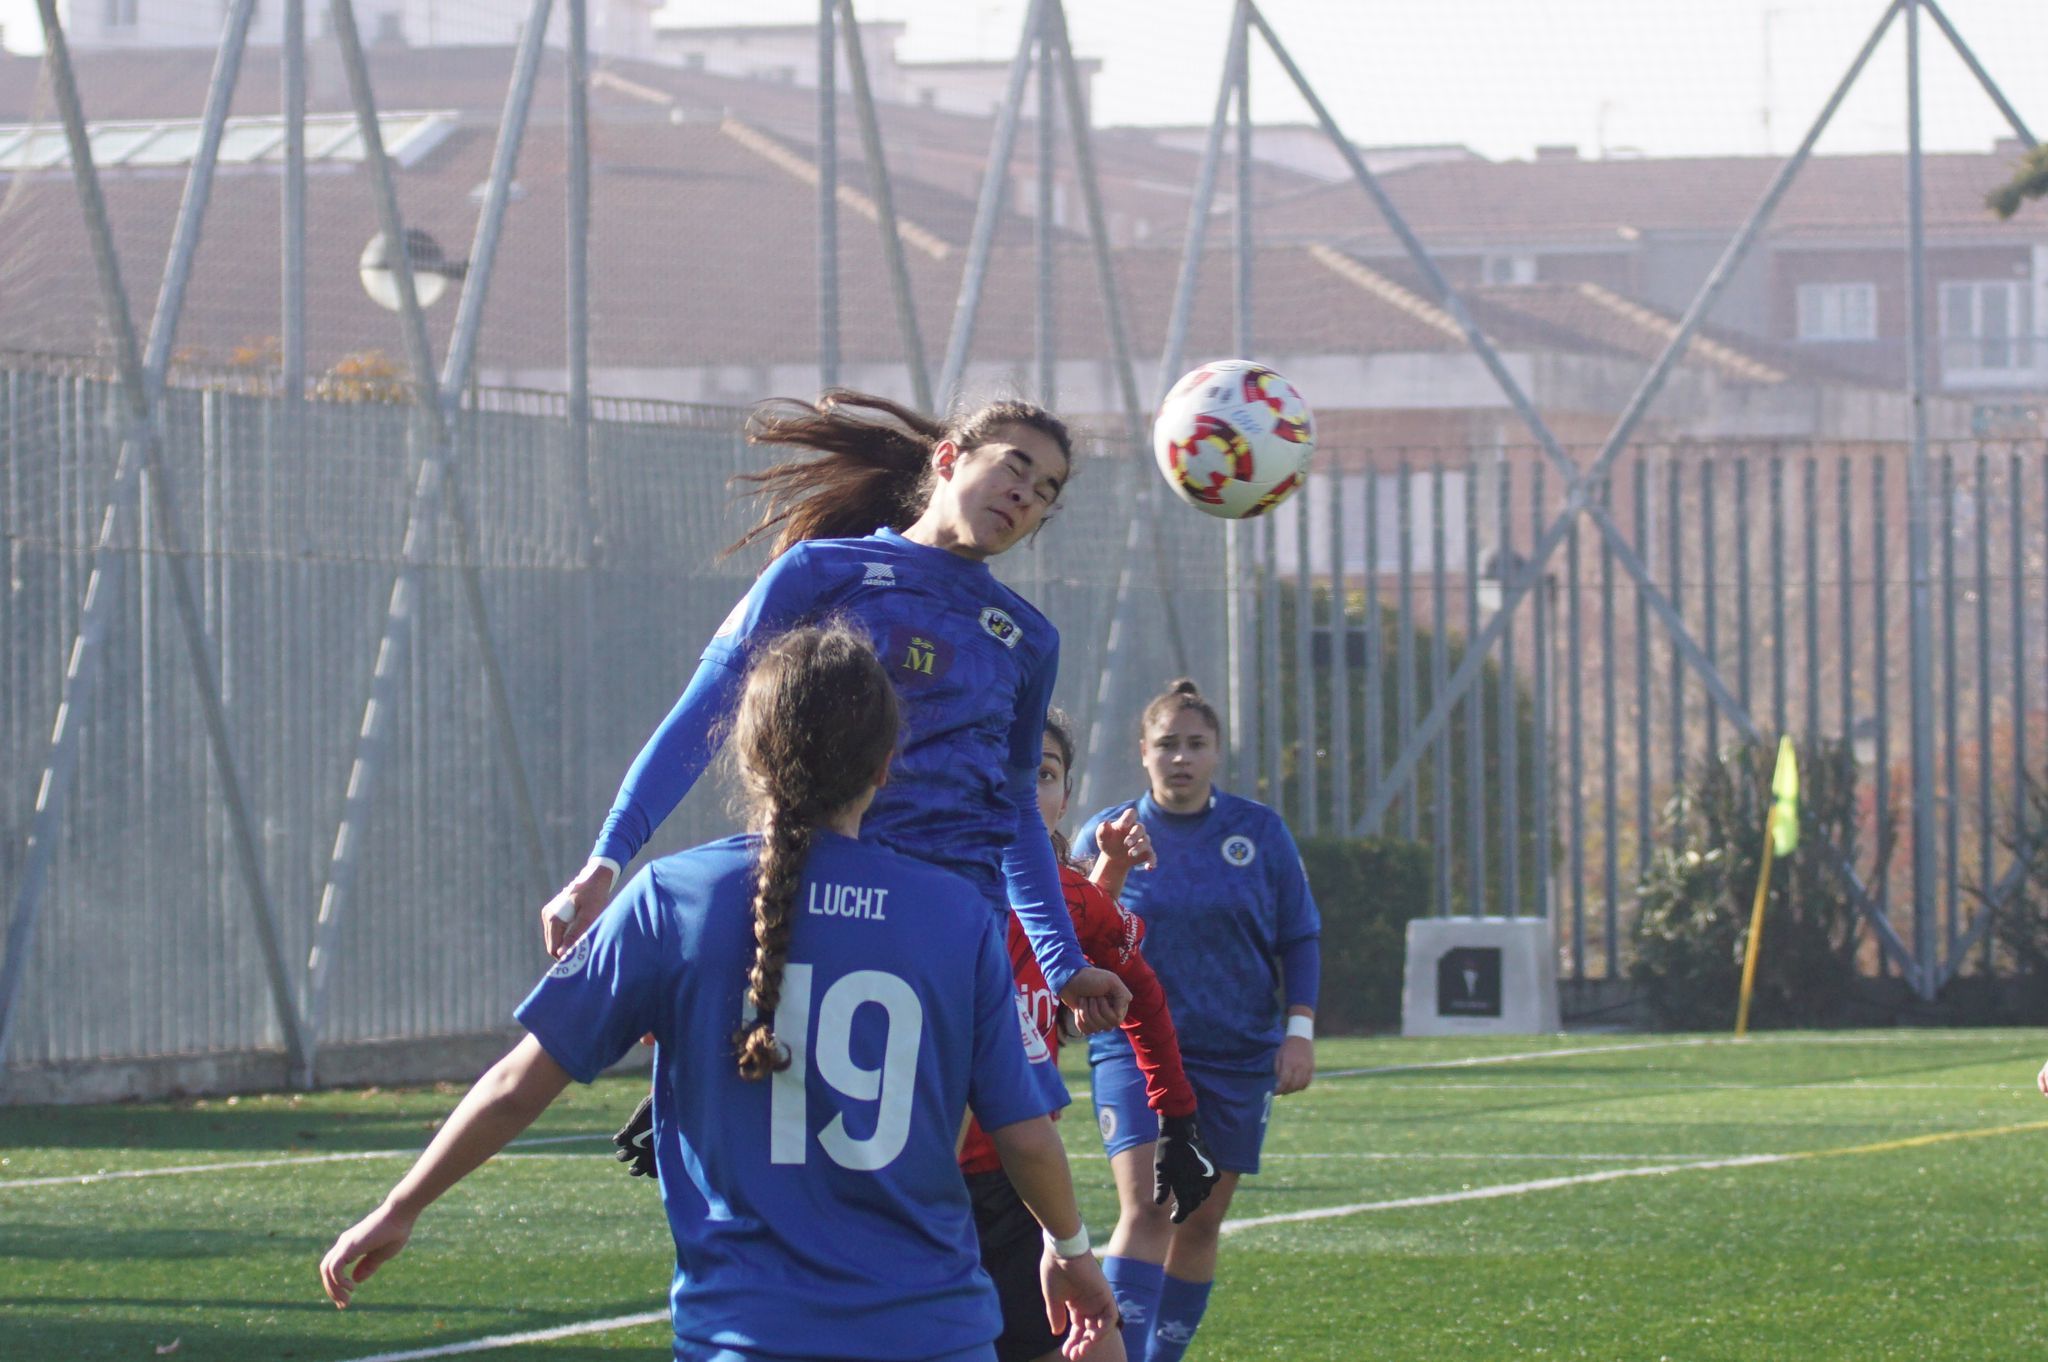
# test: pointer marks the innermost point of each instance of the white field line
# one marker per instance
(480, 1345)
(1503, 1190)
(1625, 1086)
(1477, 1061)
(1398, 1156)
(1687, 1042)
(1617, 1174)
(237, 1165)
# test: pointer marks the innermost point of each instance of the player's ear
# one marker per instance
(945, 454)
(882, 776)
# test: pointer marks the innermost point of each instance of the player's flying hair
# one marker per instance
(815, 726)
(872, 464)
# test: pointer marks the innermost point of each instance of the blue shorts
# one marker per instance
(1231, 1106)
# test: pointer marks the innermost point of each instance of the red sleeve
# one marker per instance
(1109, 938)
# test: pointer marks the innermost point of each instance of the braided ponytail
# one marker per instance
(816, 723)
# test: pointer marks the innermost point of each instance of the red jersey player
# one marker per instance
(1110, 939)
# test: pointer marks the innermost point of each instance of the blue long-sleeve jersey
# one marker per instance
(1229, 920)
(974, 666)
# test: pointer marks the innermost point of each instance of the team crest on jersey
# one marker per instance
(879, 574)
(1000, 626)
(574, 961)
(1035, 1049)
(731, 624)
(1239, 850)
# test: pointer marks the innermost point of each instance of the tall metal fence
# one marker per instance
(1546, 790)
(148, 942)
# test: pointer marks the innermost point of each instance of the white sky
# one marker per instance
(1664, 77)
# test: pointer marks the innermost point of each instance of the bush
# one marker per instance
(1700, 888)
(1368, 889)
(2019, 922)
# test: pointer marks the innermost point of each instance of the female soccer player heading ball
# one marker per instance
(1228, 920)
(814, 1217)
(972, 662)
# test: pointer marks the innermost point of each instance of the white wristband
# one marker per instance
(1073, 1246)
(1305, 1027)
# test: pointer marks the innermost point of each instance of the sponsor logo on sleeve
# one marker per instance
(1238, 850)
(878, 574)
(1000, 626)
(574, 961)
(1035, 1048)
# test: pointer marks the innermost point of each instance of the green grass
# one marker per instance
(1921, 1250)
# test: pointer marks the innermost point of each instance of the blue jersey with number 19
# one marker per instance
(818, 1213)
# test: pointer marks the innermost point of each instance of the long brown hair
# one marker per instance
(816, 722)
(872, 463)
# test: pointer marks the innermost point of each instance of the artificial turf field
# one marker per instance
(1839, 1195)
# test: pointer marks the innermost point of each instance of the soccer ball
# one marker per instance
(1233, 439)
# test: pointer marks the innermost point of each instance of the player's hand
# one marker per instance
(569, 914)
(1080, 1305)
(375, 1239)
(635, 1140)
(1124, 843)
(1182, 1168)
(1296, 1066)
(1099, 999)
(2044, 1080)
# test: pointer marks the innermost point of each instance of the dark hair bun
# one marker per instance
(1183, 686)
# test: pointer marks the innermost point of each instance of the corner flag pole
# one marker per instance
(1781, 837)
(1756, 935)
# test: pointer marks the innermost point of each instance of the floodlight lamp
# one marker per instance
(432, 271)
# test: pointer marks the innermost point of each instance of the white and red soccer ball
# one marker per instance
(1233, 439)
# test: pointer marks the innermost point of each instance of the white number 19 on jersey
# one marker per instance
(892, 1086)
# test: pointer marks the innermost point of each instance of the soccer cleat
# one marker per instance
(1182, 1169)
(635, 1140)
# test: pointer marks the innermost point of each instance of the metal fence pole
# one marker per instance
(1044, 322)
(434, 485)
(293, 228)
(1920, 606)
(142, 381)
(880, 185)
(828, 198)
(988, 210)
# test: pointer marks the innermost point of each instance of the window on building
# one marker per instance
(1986, 325)
(1507, 269)
(1837, 312)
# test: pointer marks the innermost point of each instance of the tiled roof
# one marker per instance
(1533, 202)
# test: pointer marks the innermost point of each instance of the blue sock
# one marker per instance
(1180, 1313)
(1136, 1284)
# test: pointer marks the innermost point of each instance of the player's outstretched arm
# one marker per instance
(1078, 1301)
(504, 1102)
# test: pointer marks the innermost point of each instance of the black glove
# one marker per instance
(635, 1140)
(1182, 1169)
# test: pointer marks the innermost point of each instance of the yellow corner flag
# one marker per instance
(1781, 838)
(1784, 820)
